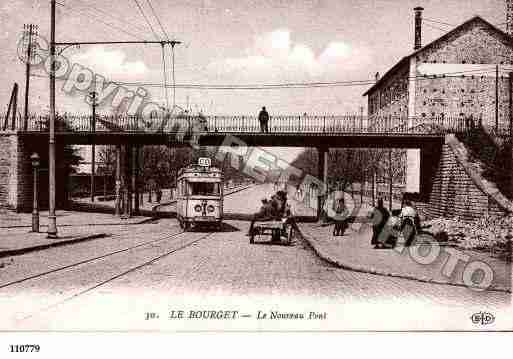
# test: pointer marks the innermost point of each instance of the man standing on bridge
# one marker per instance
(263, 118)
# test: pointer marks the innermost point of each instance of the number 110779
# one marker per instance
(24, 348)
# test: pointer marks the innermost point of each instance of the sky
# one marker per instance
(233, 42)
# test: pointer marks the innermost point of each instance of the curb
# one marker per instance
(370, 270)
(142, 221)
(20, 251)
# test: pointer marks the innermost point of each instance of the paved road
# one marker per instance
(219, 271)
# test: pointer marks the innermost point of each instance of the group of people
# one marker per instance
(383, 235)
(275, 208)
(385, 232)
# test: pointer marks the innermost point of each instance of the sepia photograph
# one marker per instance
(255, 166)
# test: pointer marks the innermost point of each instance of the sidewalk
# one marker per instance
(16, 237)
(16, 241)
(353, 251)
(10, 219)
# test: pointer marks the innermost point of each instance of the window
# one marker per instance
(203, 189)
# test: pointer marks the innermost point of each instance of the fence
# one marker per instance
(340, 124)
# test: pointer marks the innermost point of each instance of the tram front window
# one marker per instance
(203, 189)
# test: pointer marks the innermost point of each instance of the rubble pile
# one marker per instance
(488, 233)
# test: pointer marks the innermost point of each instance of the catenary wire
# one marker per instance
(117, 18)
(146, 19)
(81, 11)
(456, 74)
(158, 20)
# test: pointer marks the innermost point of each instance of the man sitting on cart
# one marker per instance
(273, 209)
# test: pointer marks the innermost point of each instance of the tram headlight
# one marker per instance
(197, 208)
(210, 208)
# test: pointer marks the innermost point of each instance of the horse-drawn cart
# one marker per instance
(280, 230)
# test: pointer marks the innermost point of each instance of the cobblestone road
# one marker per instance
(221, 271)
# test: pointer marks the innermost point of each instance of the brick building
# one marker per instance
(453, 76)
(461, 75)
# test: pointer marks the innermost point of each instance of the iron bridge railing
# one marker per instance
(336, 125)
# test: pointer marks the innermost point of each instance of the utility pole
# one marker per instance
(173, 71)
(496, 98)
(92, 96)
(29, 31)
(52, 219)
(164, 75)
(511, 135)
(391, 179)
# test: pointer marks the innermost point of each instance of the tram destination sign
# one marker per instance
(204, 162)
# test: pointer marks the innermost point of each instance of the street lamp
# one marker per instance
(35, 208)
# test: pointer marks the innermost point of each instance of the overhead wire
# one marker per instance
(164, 59)
(436, 28)
(82, 11)
(105, 13)
(437, 22)
(158, 20)
(146, 19)
(306, 85)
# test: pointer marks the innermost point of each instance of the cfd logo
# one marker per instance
(483, 318)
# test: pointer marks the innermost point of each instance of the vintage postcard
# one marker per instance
(274, 165)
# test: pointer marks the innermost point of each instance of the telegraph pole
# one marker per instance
(52, 220)
(391, 183)
(52, 223)
(511, 135)
(30, 30)
(92, 96)
(496, 98)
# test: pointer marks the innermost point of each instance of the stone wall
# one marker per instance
(458, 190)
(8, 173)
(472, 92)
(474, 43)
(16, 175)
(391, 99)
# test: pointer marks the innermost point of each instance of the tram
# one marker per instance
(199, 195)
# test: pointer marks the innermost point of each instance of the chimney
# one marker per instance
(418, 27)
(509, 17)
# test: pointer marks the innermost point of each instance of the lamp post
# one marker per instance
(35, 207)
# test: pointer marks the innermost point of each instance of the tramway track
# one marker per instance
(89, 260)
(89, 271)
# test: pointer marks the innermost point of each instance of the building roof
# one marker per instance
(406, 59)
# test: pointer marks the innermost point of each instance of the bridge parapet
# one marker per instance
(315, 124)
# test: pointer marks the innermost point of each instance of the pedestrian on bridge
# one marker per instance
(263, 118)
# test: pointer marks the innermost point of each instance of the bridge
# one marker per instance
(19, 138)
(300, 131)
